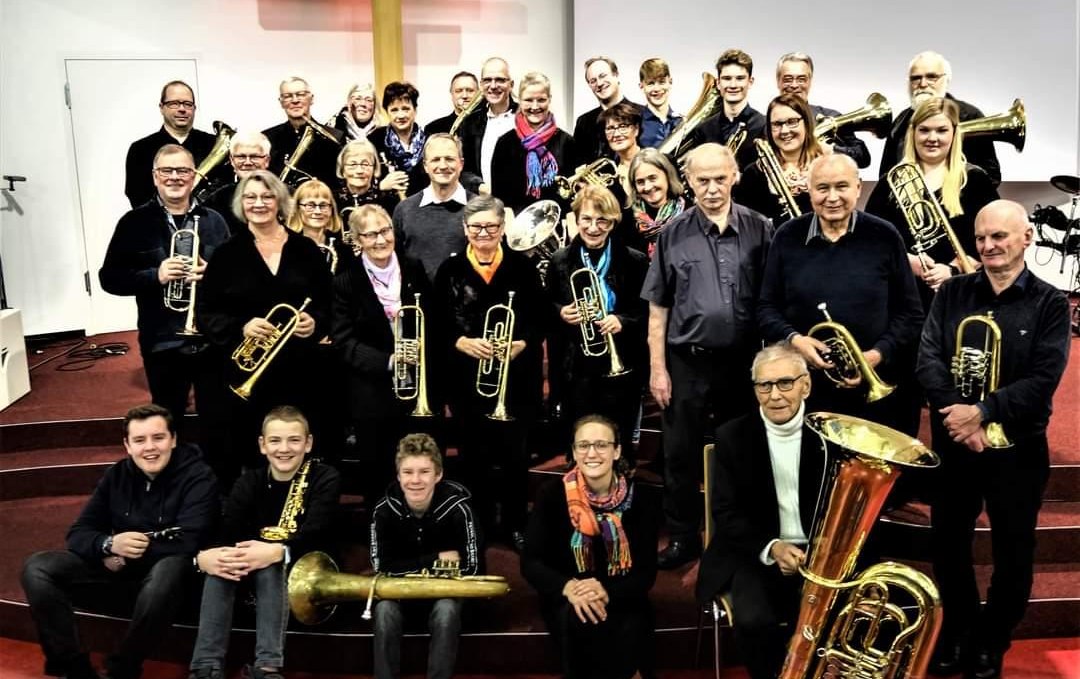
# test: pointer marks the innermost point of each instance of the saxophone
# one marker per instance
(293, 507)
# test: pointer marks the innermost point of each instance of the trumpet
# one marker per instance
(410, 370)
(591, 305)
(493, 373)
(254, 354)
(977, 370)
(923, 213)
(847, 358)
(217, 154)
(600, 172)
(874, 116)
(1009, 127)
(770, 165)
(735, 141)
(331, 254)
(306, 139)
(180, 293)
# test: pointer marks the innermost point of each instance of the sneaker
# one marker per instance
(251, 672)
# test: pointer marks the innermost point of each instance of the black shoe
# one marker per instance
(251, 672)
(987, 665)
(81, 668)
(677, 553)
(517, 539)
(205, 673)
(946, 660)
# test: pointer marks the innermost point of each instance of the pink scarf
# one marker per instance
(386, 283)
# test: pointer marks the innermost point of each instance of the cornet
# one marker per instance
(180, 293)
(976, 370)
(848, 358)
(410, 370)
(254, 354)
(591, 305)
(492, 373)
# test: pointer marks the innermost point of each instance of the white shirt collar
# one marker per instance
(427, 196)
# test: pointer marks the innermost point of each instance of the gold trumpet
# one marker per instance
(316, 587)
(977, 371)
(217, 154)
(600, 172)
(410, 369)
(847, 358)
(1009, 127)
(774, 174)
(306, 139)
(591, 305)
(923, 213)
(255, 353)
(874, 116)
(180, 293)
(707, 104)
(493, 373)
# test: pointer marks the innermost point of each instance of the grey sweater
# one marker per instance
(430, 233)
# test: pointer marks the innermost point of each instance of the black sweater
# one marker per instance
(139, 182)
(402, 542)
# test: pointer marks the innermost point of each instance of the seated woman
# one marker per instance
(400, 144)
(359, 169)
(656, 196)
(590, 552)
(357, 119)
(315, 216)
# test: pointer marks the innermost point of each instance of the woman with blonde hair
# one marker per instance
(315, 215)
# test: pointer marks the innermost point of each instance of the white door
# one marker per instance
(113, 103)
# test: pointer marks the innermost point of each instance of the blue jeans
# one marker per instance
(444, 623)
(216, 613)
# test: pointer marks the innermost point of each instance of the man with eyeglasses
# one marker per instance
(734, 78)
(464, 87)
(138, 263)
(766, 477)
(177, 106)
(248, 151)
(602, 75)
(491, 119)
(320, 159)
(929, 75)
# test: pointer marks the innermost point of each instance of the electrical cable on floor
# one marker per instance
(83, 359)
(75, 344)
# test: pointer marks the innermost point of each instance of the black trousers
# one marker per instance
(617, 398)
(171, 375)
(1009, 483)
(615, 648)
(761, 599)
(494, 466)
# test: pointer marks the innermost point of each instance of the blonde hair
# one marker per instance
(310, 189)
(955, 163)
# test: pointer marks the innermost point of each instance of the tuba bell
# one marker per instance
(180, 293)
(591, 305)
(311, 129)
(976, 369)
(847, 358)
(410, 368)
(217, 154)
(774, 174)
(538, 232)
(254, 354)
(707, 104)
(923, 213)
(600, 172)
(874, 116)
(493, 373)
(1009, 127)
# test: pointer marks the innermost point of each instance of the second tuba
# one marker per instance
(848, 358)
(874, 116)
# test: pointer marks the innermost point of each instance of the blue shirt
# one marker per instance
(654, 130)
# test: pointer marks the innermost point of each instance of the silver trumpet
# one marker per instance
(180, 293)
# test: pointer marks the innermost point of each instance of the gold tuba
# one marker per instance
(306, 139)
(871, 635)
(707, 104)
(874, 116)
(316, 587)
(293, 507)
(180, 293)
(976, 370)
(774, 174)
(493, 373)
(847, 358)
(590, 302)
(410, 369)
(600, 172)
(254, 354)
(923, 213)
(1009, 127)
(217, 154)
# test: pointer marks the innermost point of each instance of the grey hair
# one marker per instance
(534, 78)
(250, 138)
(488, 203)
(356, 147)
(781, 351)
(708, 147)
(271, 182)
(946, 67)
(795, 56)
(650, 156)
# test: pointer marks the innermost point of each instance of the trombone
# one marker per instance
(976, 371)
(591, 305)
(180, 292)
(492, 373)
(848, 358)
(774, 174)
(923, 213)
(410, 369)
(255, 353)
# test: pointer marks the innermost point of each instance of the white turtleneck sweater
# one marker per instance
(785, 444)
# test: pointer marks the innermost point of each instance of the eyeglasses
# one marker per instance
(248, 157)
(621, 128)
(312, 207)
(781, 124)
(372, 236)
(494, 81)
(174, 104)
(601, 446)
(475, 229)
(362, 165)
(252, 198)
(800, 79)
(601, 222)
(783, 384)
(295, 96)
(182, 172)
(931, 78)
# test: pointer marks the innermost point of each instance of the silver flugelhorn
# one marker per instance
(410, 369)
(493, 373)
(180, 292)
(591, 305)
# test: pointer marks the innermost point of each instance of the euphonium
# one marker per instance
(774, 174)
(180, 293)
(217, 154)
(493, 373)
(847, 358)
(923, 213)
(976, 371)
(871, 635)
(293, 507)
(537, 231)
(410, 369)
(591, 305)
(874, 116)
(674, 145)
(1009, 127)
(254, 353)
(600, 172)
(306, 139)
(316, 587)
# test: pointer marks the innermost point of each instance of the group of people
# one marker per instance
(683, 267)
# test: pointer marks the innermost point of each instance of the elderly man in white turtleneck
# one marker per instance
(766, 479)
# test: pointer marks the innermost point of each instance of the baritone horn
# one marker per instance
(976, 370)
(180, 293)
(410, 368)
(847, 358)
(874, 116)
(1009, 127)
(600, 172)
(923, 213)
(493, 373)
(217, 154)
(311, 129)
(592, 306)
(255, 353)
(707, 104)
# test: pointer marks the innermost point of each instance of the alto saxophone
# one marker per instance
(293, 507)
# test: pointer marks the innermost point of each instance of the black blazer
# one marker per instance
(744, 508)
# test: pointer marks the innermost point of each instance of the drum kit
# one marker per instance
(1068, 244)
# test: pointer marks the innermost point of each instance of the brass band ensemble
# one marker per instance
(419, 314)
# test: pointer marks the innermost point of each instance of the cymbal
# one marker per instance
(1066, 183)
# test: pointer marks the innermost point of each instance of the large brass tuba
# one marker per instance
(316, 587)
(410, 367)
(600, 172)
(847, 358)
(774, 174)
(217, 154)
(706, 106)
(180, 293)
(311, 129)
(591, 305)
(874, 116)
(976, 370)
(493, 373)
(1009, 127)
(923, 213)
(871, 635)
(254, 354)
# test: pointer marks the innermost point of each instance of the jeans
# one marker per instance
(216, 613)
(444, 623)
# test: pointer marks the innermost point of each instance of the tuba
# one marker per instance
(306, 140)
(180, 293)
(492, 373)
(848, 359)
(600, 172)
(255, 354)
(410, 369)
(871, 634)
(1009, 127)
(217, 153)
(537, 231)
(774, 174)
(874, 116)
(976, 370)
(707, 105)
(590, 302)
(316, 587)
(923, 213)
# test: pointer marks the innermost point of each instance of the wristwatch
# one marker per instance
(106, 547)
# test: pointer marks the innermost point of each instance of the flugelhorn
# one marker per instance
(311, 129)
(410, 367)
(1009, 127)
(707, 104)
(254, 354)
(180, 293)
(976, 370)
(847, 358)
(600, 172)
(592, 306)
(493, 373)
(774, 174)
(874, 116)
(923, 213)
(217, 154)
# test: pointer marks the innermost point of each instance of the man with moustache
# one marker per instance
(657, 118)
(490, 120)
(734, 77)
(463, 89)
(602, 75)
(320, 159)
(929, 75)
(248, 151)
(177, 106)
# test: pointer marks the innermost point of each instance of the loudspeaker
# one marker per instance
(14, 372)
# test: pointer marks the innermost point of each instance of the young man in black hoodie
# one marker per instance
(148, 515)
(273, 516)
(422, 519)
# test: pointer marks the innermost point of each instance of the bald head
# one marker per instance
(1002, 234)
(711, 172)
(496, 84)
(707, 153)
(832, 163)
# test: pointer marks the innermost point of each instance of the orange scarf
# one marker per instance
(592, 517)
(486, 271)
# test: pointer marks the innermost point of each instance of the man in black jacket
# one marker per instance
(320, 158)
(602, 76)
(136, 536)
(490, 120)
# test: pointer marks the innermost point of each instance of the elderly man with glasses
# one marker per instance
(248, 151)
(320, 159)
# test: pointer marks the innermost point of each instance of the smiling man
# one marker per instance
(602, 75)
(248, 151)
(148, 515)
(490, 120)
(320, 159)
(464, 87)
(734, 77)
(657, 118)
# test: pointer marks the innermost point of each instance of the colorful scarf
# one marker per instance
(486, 271)
(405, 159)
(386, 283)
(650, 228)
(591, 516)
(540, 165)
(601, 271)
